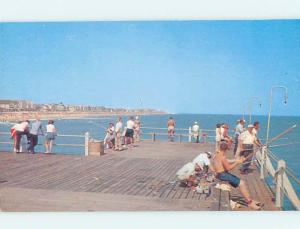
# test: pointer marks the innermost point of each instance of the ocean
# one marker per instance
(96, 128)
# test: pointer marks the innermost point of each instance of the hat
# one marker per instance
(195, 122)
(209, 154)
(250, 126)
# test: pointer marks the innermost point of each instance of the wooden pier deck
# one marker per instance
(139, 179)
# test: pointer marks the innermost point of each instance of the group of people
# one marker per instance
(196, 131)
(244, 142)
(116, 136)
(31, 133)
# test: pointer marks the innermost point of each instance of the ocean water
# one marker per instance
(96, 128)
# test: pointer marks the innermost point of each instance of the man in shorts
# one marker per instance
(222, 167)
(196, 132)
(171, 129)
(130, 125)
(247, 140)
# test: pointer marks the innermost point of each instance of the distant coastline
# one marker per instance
(22, 115)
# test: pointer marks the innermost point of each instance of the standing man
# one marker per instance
(36, 129)
(118, 130)
(196, 131)
(239, 129)
(21, 129)
(246, 143)
(218, 136)
(130, 125)
(137, 130)
(255, 130)
(171, 129)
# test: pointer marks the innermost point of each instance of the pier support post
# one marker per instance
(86, 143)
(190, 134)
(263, 162)
(279, 184)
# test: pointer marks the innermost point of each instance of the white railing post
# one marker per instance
(86, 143)
(190, 134)
(263, 162)
(279, 184)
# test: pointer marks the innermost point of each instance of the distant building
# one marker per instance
(11, 105)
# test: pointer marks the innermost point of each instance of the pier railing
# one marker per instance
(282, 177)
(84, 137)
(205, 135)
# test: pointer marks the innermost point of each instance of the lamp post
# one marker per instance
(265, 148)
(250, 104)
(270, 107)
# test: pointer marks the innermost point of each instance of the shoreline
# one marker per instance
(19, 116)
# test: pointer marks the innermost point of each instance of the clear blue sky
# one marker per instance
(179, 66)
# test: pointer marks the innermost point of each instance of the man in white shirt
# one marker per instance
(130, 125)
(255, 132)
(187, 172)
(239, 129)
(196, 131)
(203, 161)
(246, 143)
(118, 130)
(21, 129)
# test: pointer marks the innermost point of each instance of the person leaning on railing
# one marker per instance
(50, 136)
(21, 129)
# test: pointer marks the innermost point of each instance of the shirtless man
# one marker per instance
(222, 166)
(171, 127)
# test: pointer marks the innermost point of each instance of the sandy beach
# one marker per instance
(18, 116)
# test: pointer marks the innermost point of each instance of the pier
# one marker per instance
(137, 179)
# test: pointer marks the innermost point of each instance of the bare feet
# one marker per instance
(255, 205)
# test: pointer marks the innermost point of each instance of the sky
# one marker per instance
(206, 67)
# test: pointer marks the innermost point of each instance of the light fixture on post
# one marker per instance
(265, 148)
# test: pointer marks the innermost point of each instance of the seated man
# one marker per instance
(222, 166)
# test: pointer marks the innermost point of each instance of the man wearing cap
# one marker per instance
(246, 143)
(187, 172)
(203, 161)
(196, 131)
(239, 129)
(255, 130)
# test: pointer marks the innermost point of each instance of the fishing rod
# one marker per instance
(281, 134)
(286, 144)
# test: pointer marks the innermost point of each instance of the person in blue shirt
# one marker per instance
(36, 129)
